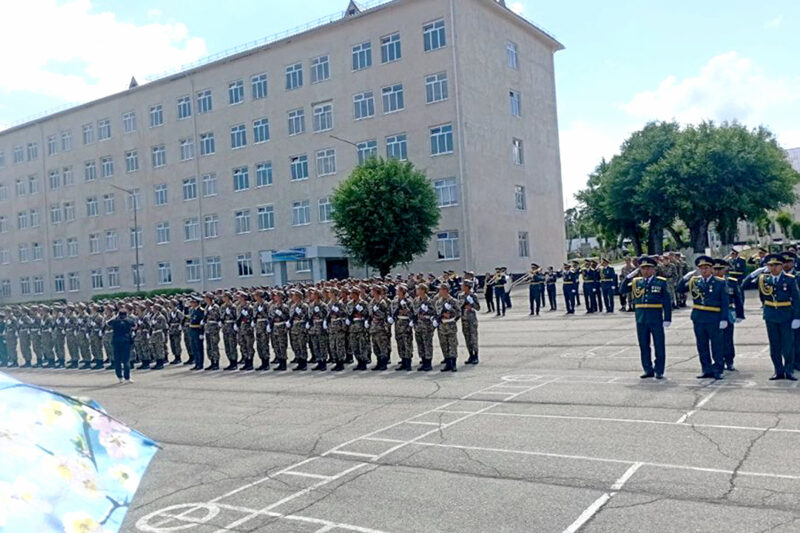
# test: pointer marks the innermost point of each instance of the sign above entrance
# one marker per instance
(292, 254)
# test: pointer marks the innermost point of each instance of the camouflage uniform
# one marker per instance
(298, 335)
(402, 313)
(261, 312)
(318, 324)
(108, 335)
(380, 330)
(175, 323)
(469, 306)
(279, 316)
(74, 334)
(96, 338)
(244, 323)
(212, 328)
(36, 338)
(158, 337)
(141, 340)
(337, 330)
(25, 324)
(185, 330)
(448, 311)
(229, 333)
(46, 340)
(12, 326)
(358, 311)
(425, 315)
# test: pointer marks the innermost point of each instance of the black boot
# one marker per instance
(176, 361)
(213, 366)
(145, 366)
(361, 366)
(14, 364)
(348, 360)
(448, 365)
(338, 368)
(27, 365)
(405, 364)
(425, 366)
(301, 366)
(473, 360)
(294, 361)
(322, 365)
(85, 365)
(381, 365)
(159, 365)
(189, 362)
(281, 366)
(73, 365)
(264, 366)
(232, 366)
(248, 365)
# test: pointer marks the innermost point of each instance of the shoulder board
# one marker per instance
(790, 276)
(733, 279)
(662, 279)
(719, 278)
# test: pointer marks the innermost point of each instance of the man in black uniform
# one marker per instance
(3, 351)
(121, 341)
(550, 282)
(196, 321)
(570, 288)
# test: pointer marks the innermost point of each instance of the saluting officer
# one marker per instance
(736, 311)
(608, 284)
(570, 287)
(738, 267)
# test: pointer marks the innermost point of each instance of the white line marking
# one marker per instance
(421, 423)
(305, 474)
(618, 484)
(326, 524)
(697, 407)
(602, 500)
(356, 454)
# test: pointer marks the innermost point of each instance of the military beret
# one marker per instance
(703, 260)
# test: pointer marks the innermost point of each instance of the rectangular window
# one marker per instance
(512, 53)
(91, 207)
(162, 233)
(434, 36)
(156, 116)
(520, 201)
(236, 92)
(66, 141)
(210, 185)
(436, 88)
(159, 156)
(325, 210)
(514, 102)
(106, 167)
(113, 277)
(189, 189)
(363, 105)
(516, 152)
(112, 240)
(265, 260)
(164, 273)
(19, 154)
(54, 180)
(108, 204)
(72, 247)
(21, 188)
(191, 229)
(323, 117)
(397, 147)
(258, 85)
(266, 218)
(22, 220)
(129, 122)
(301, 213)
(297, 122)
(131, 161)
(73, 282)
(67, 177)
(242, 221)
(33, 185)
(244, 264)
(97, 279)
(390, 48)
(58, 249)
(136, 237)
(3, 225)
(5, 288)
(52, 145)
(362, 56)
(94, 243)
(522, 241)
(326, 162)
(366, 150)
(184, 107)
(36, 250)
(446, 192)
(34, 216)
(442, 139)
(55, 214)
(24, 253)
(137, 274)
(38, 285)
(294, 76)
(393, 99)
(299, 167)
(264, 174)
(3, 192)
(187, 149)
(261, 130)
(160, 194)
(211, 226)
(238, 136)
(134, 201)
(103, 129)
(320, 69)
(5, 254)
(192, 270)
(447, 245)
(302, 265)
(89, 171)
(207, 146)
(25, 286)
(88, 135)
(241, 179)
(204, 101)
(69, 211)
(59, 285)
(33, 151)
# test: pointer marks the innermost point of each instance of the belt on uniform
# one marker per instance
(230, 321)
(404, 318)
(262, 319)
(711, 308)
(567, 283)
(212, 322)
(358, 320)
(649, 306)
(195, 326)
(336, 319)
(537, 283)
(606, 279)
(317, 320)
(777, 304)
(448, 320)
(735, 272)
(276, 324)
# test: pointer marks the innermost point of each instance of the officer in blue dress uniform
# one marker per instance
(608, 284)
(738, 266)
(736, 310)
(590, 286)
(790, 267)
(710, 316)
(570, 288)
(653, 313)
(535, 289)
(781, 298)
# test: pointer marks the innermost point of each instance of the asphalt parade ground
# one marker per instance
(553, 431)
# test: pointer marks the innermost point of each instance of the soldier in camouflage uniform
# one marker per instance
(424, 323)
(46, 324)
(12, 326)
(140, 340)
(159, 325)
(25, 323)
(186, 335)
(348, 347)
(59, 332)
(244, 329)
(380, 328)
(108, 335)
(447, 309)
(96, 326)
(229, 330)
(175, 322)
(469, 305)
(402, 317)
(317, 326)
(261, 312)
(298, 329)
(358, 322)
(73, 337)
(278, 323)
(83, 338)
(337, 330)
(212, 328)
(36, 336)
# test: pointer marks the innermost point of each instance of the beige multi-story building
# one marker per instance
(228, 167)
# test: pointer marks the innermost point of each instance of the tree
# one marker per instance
(796, 231)
(784, 221)
(385, 213)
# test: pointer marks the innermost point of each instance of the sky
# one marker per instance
(626, 61)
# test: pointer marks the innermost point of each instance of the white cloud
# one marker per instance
(774, 23)
(97, 57)
(154, 13)
(516, 7)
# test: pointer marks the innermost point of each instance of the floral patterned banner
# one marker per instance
(65, 465)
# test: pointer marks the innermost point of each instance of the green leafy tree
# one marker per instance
(784, 221)
(385, 213)
(796, 231)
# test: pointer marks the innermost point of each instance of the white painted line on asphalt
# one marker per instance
(327, 525)
(423, 423)
(602, 500)
(305, 474)
(355, 454)
(697, 407)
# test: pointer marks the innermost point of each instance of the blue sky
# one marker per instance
(625, 61)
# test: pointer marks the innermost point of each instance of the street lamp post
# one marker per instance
(135, 231)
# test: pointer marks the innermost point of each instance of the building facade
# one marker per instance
(228, 168)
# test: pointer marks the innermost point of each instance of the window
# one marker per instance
(323, 117)
(297, 122)
(36, 250)
(210, 185)
(204, 102)
(113, 277)
(367, 149)
(89, 171)
(207, 146)
(244, 264)
(320, 69)
(72, 247)
(187, 149)
(294, 76)
(38, 285)
(34, 216)
(52, 145)
(5, 255)
(103, 129)
(516, 152)
(22, 220)
(326, 162)
(136, 237)
(238, 136)
(164, 273)
(54, 181)
(362, 56)
(94, 243)
(241, 179)
(363, 105)
(519, 198)
(58, 249)
(325, 209)
(137, 274)
(58, 283)
(242, 221)
(190, 189)
(162, 233)
(21, 188)
(3, 225)
(436, 88)
(67, 177)
(112, 240)
(393, 98)
(3, 192)
(33, 151)
(266, 218)
(191, 229)
(25, 286)
(267, 267)
(259, 86)
(106, 167)
(108, 204)
(88, 133)
(160, 194)
(213, 268)
(24, 253)
(301, 213)
(97, 279)
(2, 159)
(73, 282)
(184, 107)
(129, 122)
(55, 214)
(69, 211)
(434, 35)
(397, 147)
(192, 270)
(211, 226)
(511, 52)
(19, 154)
(134, 200)
(159, 156)
(447, 245)
(33, 185)
(522, 241)
(91, 207)
(446, 192)
(236, 92)
(156, 116)
(5, 288)
(514, 102)
(299, 167)
(264, 174)
(131, 161)
(261, 130)
(302, 265)
(442, 140)
(66, 141)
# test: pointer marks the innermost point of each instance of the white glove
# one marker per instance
(738, 320)
(375, 308)
(260, 308)
(359, 307)
(308, 326)
(390, 320)
(411, 323)
(278, 312)
(347, 321)
(298, 311)
(723, 324)
(252, 324)
(424, 307)
(335, 308)
(689, 275)
(235, 327)
(133, 334)
(402, 303)
(470, 300)
(87, 334)
(228, 311)
(667, 324)
(366, 324)
(269, 328)
(100, 334)
(244, 312)
(632, 274)
(316, 309)
(325, 325)
(435, 323)
(795, 324)
(202, 337)
(447, 306)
